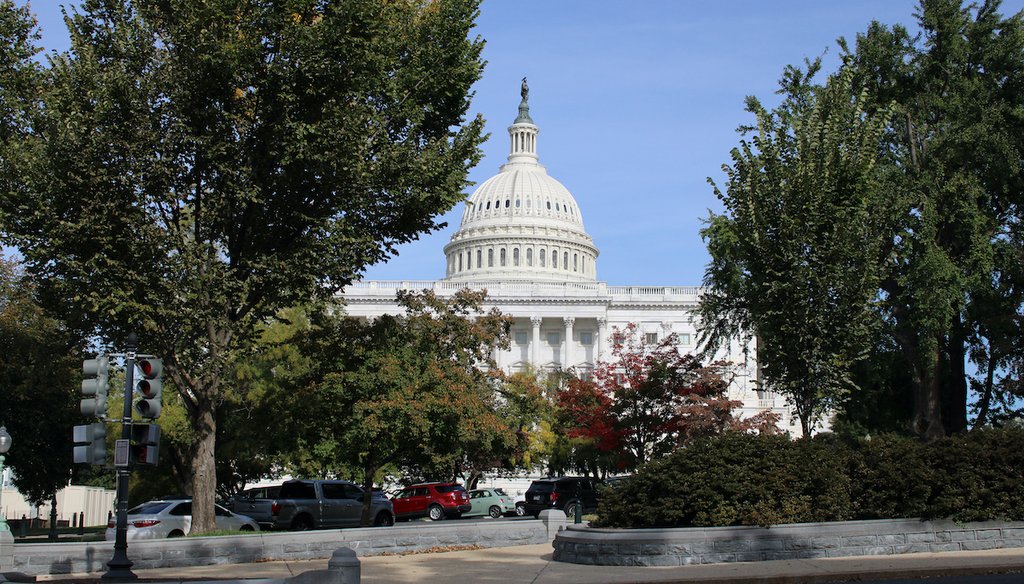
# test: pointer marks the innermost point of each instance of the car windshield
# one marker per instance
(449, 488)
(500, 492)
(542, 486)
(151, 508)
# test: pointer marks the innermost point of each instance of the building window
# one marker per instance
(554, 339)
(565, 260)
(515, 257)
(684, 338)
(543, 258)
(502, 255)
(529, 256)
(575, 262)
(586, 338)
(507, 203)
(479, 257)
(549, 205)
(460, 261)
(521, 337)
(554, 259)
(490, 258)
(488, 204)
(517, 203)
(651, 338)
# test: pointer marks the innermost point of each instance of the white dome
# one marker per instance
(521, 224)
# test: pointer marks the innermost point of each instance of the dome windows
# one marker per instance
(515, 256)
(517, 203)
(543, 258)
(565, 260)
(549, 205)
(488, 205)
(479, 257)
(502, 252)
(529, 257)
(490, 258)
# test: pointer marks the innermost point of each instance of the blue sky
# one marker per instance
(637, 104)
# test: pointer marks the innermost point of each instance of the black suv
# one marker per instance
(562, 493)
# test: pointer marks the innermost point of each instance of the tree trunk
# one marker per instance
(927, 419)
(368, 473)
(204, 471)
(954, 404)
(985, 402)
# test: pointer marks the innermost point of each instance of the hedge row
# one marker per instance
(744, 479)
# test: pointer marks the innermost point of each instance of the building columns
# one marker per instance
(567, 345)
(602, 334)
(535, 344)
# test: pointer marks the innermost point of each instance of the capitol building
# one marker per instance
(522, 238)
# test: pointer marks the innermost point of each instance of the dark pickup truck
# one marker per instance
(315, 504)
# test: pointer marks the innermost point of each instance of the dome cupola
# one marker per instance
(521, 224)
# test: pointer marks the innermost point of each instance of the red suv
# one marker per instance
(433, 500)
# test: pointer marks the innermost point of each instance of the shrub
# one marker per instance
(746, 479)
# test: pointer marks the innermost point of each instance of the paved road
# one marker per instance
(532, 564)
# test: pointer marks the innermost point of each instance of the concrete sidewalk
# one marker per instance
(532, 564)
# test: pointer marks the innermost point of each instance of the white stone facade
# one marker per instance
(522, 239)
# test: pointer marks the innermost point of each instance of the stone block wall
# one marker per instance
(68, 558)
(679, 547)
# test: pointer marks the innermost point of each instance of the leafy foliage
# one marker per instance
(415, 391)
(794, 257)
(748, 479)
(952, 160)
(189, 169)
(643, 403)
(39, 374)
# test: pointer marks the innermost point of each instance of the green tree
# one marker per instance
(415, 391)
(794, 259)
(953, 182)
(194, 167)
(40, 375)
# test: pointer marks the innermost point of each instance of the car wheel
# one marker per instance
(384, 519)
(520, 510)
(435, 512)
(302, 523)
(570, 510)
(176, 533)
(494, 512)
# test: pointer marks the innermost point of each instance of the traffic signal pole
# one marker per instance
(120, 567)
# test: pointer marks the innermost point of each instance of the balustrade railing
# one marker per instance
(387, 288)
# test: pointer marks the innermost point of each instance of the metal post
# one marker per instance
(5, 445)
(120, 567)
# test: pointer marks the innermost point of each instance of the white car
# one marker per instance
(173, 518)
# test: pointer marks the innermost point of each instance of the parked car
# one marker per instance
(323, 504)
(173, 518)
(433, 500)
(562, 493)
(256, 503)
(491, 502)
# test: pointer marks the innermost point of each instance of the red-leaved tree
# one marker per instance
(648, 400)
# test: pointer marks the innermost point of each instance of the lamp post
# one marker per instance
(5, 445)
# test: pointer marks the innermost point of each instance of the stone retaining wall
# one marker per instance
(66, 558)
(675, 547)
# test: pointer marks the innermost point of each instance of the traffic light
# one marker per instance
(90, 443)
(95, 386)
(148, 385)
(146, 444)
